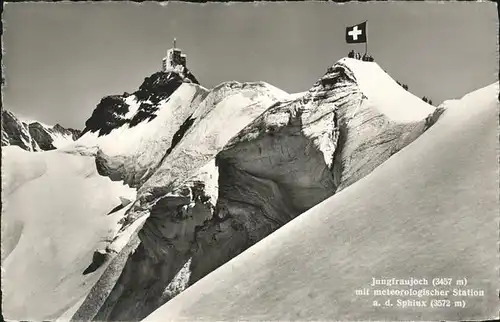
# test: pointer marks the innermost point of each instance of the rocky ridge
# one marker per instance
(34, 136)
(115, 111)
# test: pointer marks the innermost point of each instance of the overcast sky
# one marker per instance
(62, 58)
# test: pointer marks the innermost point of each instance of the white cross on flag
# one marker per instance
(356, 34)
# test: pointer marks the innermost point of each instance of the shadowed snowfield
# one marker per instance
(56, 213)
(429, 211)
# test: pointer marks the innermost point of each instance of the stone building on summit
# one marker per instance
(174, 58)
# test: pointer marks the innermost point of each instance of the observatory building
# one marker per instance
(174, 59)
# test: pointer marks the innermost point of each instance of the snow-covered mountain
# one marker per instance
(412, 217)
(252, 159)
(197, 176)
(34, 135)
(131, 109)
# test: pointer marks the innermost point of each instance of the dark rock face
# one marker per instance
(108, 115)
(181, 132)
(146, 112)
(14, 132)
(41, 136)
(33, 136)
(161, 85)
(98, 259)
(110, 112)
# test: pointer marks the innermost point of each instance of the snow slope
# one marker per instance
(385, 94)
(133, 153)
(227, 109)
(429, 211)
(56, 212)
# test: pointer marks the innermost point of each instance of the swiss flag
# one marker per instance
(356, 34)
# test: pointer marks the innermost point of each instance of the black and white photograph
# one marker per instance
(265, 161)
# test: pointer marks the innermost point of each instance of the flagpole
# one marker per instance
(366, 43)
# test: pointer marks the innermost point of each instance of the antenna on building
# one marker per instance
(175, 40)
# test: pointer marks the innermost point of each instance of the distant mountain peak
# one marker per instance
(115, 111)
(33, 135)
